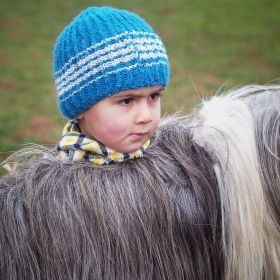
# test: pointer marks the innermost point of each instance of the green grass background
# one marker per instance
(209, 43)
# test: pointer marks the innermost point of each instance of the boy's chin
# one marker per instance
(129, 150)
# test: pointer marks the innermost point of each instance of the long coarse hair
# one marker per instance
(203, 202)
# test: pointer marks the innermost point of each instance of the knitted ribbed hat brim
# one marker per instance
(104, 51)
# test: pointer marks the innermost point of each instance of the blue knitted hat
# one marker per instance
(104, 51)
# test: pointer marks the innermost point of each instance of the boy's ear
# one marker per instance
(80, 116)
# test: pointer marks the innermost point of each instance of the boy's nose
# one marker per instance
(144, 114)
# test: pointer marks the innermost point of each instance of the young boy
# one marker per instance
(110, 70)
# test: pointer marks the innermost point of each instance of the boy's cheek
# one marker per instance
(156, 120)
(116, 127)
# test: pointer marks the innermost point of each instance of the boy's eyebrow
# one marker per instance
(129, 93)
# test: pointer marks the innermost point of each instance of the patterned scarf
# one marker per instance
(75, 146)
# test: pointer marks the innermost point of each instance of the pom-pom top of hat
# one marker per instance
(104, 51)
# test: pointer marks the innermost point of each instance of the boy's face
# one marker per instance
(125, 120)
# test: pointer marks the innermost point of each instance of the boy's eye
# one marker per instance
(154, 96)
(126, 101)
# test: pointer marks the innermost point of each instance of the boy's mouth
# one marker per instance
(139, 135)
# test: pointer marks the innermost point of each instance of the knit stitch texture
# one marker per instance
(104, 51)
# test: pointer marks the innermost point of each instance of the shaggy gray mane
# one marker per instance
(203, 202)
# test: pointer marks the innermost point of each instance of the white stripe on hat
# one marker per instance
(133, 33)
(73, 81)
(111, 72)
(113, 50)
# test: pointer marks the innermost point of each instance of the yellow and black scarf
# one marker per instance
(75, 146)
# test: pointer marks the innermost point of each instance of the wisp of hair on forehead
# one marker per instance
(201, 204)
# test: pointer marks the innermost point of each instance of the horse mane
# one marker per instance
(203, 202)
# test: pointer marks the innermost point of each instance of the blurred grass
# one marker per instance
(209, 43)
